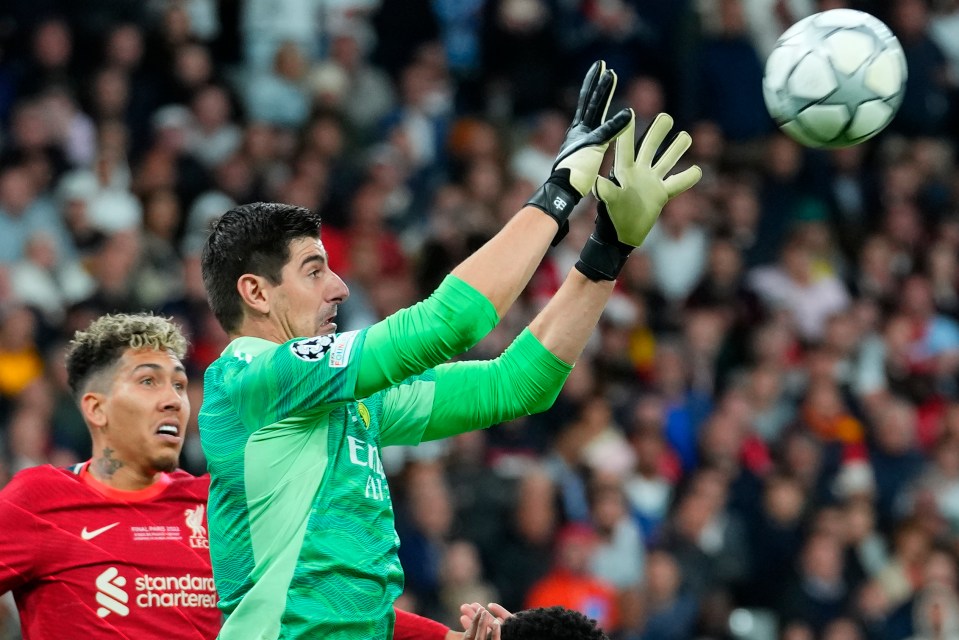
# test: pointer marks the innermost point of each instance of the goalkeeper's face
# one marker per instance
(305, 302)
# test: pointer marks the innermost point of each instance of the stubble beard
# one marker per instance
(166, 463)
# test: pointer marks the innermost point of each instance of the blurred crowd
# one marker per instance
(762, 439)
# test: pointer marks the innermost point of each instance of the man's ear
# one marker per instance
(254, 292)
(92, 406)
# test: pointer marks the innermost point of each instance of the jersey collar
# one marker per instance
(147, 493)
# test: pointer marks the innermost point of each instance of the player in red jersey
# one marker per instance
(115, 547)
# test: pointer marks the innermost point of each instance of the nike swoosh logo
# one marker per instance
(90, 535)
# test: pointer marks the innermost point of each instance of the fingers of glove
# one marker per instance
(597, 138)
(593, 76)
(677, 147)
(625, 146)
(610, 130)
(605, 190)
(653, 138)
(599, 101)
(682, 181)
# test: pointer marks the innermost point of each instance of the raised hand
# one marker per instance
(634, 195)
(577, 163)
(479, 624)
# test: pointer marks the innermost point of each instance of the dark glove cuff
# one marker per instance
(557, 198)
(600, 260)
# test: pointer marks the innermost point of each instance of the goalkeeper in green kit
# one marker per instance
(294, 414)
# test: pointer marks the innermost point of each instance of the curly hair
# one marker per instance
(252, 238)
(103, 343)
(551, 623)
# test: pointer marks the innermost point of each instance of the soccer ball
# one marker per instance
(835, 78)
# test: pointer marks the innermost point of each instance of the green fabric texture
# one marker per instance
(431, 332)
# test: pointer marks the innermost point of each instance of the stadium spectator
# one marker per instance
(214, 136)
(348, 77)
(50, 57)
(425, 528)
(571, 583)
(190, 70)
(866, 550)
(678, 246)
(523, 555)
(934, 349)
(706, 539)
(462, 580)
(46, 281)
(20, 360)
(894, 455)
(819, 593)
(279, 96)
(649, 489)
(670, 608)
(794, 287)
(926, 103)
(24, 210)
(728, 75)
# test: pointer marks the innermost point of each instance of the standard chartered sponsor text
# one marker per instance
(175, 591)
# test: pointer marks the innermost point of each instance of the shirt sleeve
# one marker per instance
(268, 385)
(271, 384)
(526, 379)
(406, 410)
(17, 540)
(464, 396)
(409, 626)
(425, 335)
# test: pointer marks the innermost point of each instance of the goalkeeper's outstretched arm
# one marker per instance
(457, 316)
(503, 266)
(529, 375)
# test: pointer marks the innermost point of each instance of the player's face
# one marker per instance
(306, 300)
(146, 410)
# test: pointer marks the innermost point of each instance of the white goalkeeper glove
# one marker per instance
(634, 195)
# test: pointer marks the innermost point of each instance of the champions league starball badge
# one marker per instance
(312, 349)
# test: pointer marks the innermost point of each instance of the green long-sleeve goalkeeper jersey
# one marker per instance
(301, 524)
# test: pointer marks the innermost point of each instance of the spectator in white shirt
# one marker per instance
(792, 285)
(678, 246)
(212, 136)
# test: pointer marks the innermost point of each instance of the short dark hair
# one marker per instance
(102, 344)
(251, 238)
(551, 623)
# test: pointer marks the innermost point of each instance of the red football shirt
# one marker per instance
(87, 561)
